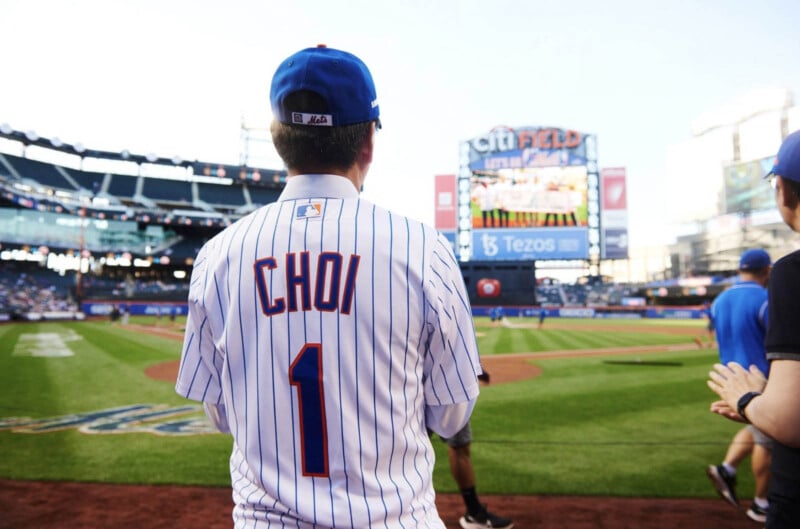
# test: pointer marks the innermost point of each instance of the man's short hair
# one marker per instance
(793, 185)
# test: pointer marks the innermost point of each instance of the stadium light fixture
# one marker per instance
(79, 148)
(31, 135)
(5, 128)
(125, 154)
(56, 142)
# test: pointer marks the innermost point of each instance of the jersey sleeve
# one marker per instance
(199, 376)
(452, 363)
(783, 334)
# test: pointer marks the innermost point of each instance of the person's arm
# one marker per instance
(776, 412)
(449, 419)
(216, 414)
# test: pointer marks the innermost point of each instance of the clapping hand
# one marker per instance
(730, 382)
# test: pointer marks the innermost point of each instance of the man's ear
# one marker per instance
(786, 195)
(367, 149)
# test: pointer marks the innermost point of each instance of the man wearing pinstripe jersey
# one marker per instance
(327, 334)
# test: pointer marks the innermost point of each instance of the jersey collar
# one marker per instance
(318, 186)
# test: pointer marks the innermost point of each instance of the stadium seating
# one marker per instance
(549, 295)
(123, 187)
(186, 247)
(167, 192)
(43, 173)
(230, 197)
(89, 181)
(260, 196)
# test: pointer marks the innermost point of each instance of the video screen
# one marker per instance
(745, 187)
(531, 197)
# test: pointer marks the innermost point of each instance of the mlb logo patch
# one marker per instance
(308, 211)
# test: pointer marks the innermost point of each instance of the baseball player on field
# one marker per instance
(327, 334)
(740, 316)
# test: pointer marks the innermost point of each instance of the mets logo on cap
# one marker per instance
(318, 120)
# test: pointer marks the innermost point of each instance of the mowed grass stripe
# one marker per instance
(516, 337)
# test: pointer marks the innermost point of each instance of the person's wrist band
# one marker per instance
(744, 400)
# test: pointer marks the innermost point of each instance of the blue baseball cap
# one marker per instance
(340, 78)
(755, 259)
(787, 162)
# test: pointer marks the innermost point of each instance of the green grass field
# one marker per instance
(585, 426)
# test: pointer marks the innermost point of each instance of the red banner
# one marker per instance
(446, 202)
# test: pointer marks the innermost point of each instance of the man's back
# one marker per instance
(740, 320)
(331, 323)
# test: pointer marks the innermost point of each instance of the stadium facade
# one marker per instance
(728, 207)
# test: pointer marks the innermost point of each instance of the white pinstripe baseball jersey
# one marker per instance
(326, 326)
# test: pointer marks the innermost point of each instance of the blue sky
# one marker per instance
(176, 77)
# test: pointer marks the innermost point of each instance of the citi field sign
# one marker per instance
(517, 148)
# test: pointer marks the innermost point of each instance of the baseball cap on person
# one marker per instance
(787, 162)
(339, 78)
(754, 260)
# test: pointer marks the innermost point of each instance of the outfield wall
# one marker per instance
(145, 308)
(134, 308)
(659, 312)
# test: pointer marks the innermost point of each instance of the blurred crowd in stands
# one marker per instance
(130, 287)
(25, 289)
(29, 288)
(557, 294)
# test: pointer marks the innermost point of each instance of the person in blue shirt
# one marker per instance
(740, 324)
(542, 316)
(706, 312)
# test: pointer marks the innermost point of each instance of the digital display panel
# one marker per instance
(529, 198)
(745, 187)
(528, 193)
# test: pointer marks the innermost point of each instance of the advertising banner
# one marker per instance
(526, 244)
(614, 213)
(140, 308)
(531, 243)
(615, 243)
(445, 202)
(526, 147)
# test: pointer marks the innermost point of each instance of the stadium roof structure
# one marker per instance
(31, 138)
(250, 174)
(48, 186)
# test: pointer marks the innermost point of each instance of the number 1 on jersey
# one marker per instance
(305, 374)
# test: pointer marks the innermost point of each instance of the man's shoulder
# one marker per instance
(785, 273)
(789, 260)
(413, 224)
(740, 292)
(214, 242)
